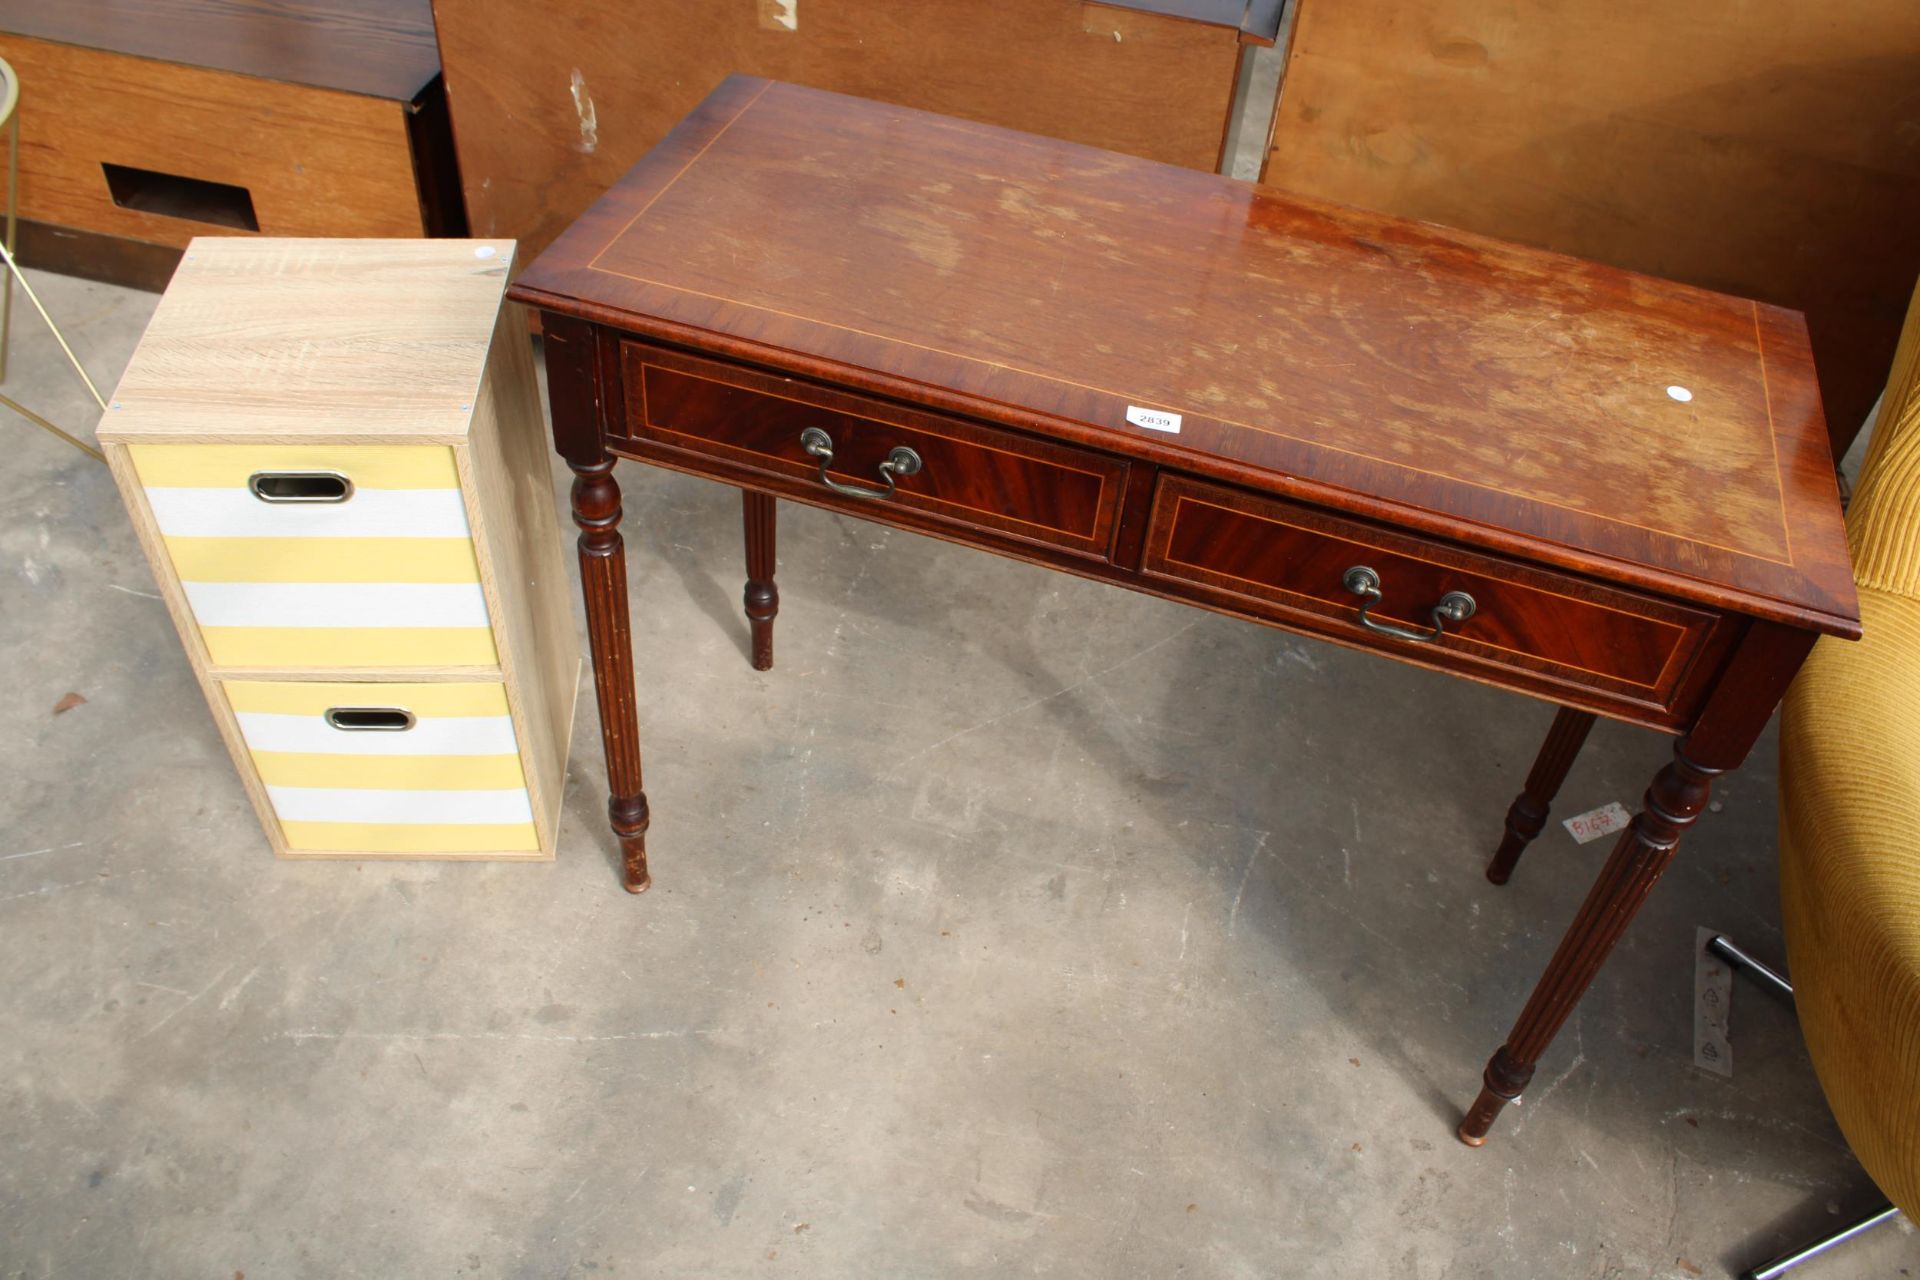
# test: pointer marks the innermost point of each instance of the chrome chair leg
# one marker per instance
(1788, 1261)
(1722, 946)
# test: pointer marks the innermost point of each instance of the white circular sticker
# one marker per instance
(1680, 393)
(485, 251)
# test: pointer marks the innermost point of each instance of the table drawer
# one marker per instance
(319, 555)
(378, 768)
(969, 474)
(1278, 558)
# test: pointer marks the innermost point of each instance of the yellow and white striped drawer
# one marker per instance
(384, 576)
(449, 782)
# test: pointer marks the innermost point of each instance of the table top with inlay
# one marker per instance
(1649, 432)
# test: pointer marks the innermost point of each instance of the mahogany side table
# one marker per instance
(1590, 486)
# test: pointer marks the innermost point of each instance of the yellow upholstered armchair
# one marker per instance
(1850, 821)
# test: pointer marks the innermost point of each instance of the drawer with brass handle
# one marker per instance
(1383, 589)
(844, 446)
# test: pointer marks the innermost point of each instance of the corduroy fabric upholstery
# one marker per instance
(1850, 819)
(1883, 522)
(1850, 882)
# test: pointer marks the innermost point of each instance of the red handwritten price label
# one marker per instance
(1595, 823)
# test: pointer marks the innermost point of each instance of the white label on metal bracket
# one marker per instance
(1594, 823)
(1153, 419)
(1712, 996)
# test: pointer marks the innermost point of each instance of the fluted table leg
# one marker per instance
(603, 574)
(1528, 816)
(1672, 803)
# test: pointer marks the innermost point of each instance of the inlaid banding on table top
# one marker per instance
(1347, 333)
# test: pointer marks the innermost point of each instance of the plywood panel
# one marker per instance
(1761, 147)
(316, 162)
(552, 103)
(315, 342)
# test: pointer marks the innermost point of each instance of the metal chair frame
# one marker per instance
(1740, 962)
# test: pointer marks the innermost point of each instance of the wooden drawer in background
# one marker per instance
(1283, 560)
(147, 122)
(971, 475)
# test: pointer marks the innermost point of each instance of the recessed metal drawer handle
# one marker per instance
(370, 719)
(901, 461)
(300, 486)
(1455, 607)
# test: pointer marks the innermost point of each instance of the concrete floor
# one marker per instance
(1012, 925)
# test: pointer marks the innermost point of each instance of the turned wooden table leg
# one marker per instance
(1528, 816)
(1675, 799)
(762, 597)
(603, 574)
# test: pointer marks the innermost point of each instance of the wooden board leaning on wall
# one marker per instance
(552, 103)
(1767, 148)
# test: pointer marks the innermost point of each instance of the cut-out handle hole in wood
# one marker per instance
(370, 719)
(173, 196)
(300, 486)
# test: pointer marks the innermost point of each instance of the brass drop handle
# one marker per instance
(1455, 607)
(900, 461)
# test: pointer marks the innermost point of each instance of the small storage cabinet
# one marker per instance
(333, 454)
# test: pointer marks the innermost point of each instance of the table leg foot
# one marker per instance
(1499, 1088)
(633, 856)
(630, 819)
(1528, 816)
(762, 597)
